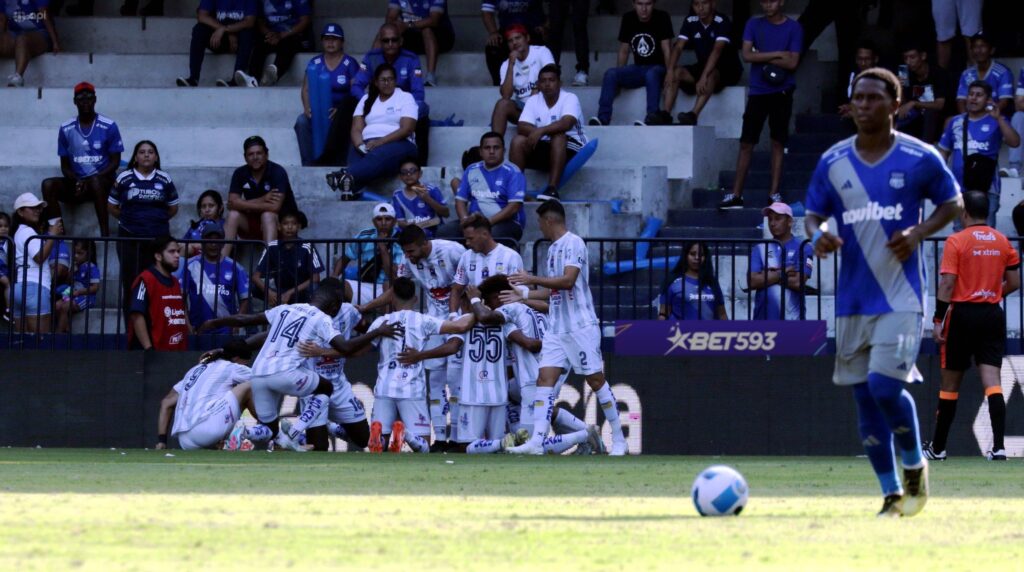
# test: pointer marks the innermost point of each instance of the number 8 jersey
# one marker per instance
(289, 325)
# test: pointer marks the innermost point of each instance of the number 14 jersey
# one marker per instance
(290, 324)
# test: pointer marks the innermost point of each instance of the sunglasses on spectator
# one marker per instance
(410, 171)
(393, 40)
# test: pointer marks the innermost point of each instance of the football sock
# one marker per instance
(438, 398)
(611, 410)
(453, 431)
(257, 433)
(513, 415)
(898, 408)
(877, 440)
(484, 446)
(997, 414)
(543, 404)
(316, 403)
(337, 431)
(565, 422)
(944, 415)
(416, 443)
(558, 444)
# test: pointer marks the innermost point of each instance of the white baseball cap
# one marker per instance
(28, 200)
(383, 209)
(778, 208)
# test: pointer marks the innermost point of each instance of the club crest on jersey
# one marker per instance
(897, 179)
(499, 267)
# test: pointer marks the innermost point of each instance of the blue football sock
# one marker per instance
(898, 407)
(877, 440)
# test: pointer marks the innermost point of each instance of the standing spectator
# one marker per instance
(494, 188)
(694, 293)
(410, 80)
(282, 28)
(259, 191)
(90, 150)
(339, 70)
(224, 26)
(525, 14)
(925, 97)
(788, 261)
(558, 13)
(288, 270)
(158, 318)
(947, 14)
(217, 286)
(426, 29)
(210, 209)
(26, 31)
(519, 77)
(376, 259)
(988, 70)
(5, 266)
(1017, 153)
(550, 130)
(848, 17)
(85, 284)
(986, 130)
(866, 58)
(416, 203)
(31, 272)
(717, 67)
(646, 33)
(771, 45)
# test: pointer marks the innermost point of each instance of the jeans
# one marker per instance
(558, 13)
(338, 137)
(1017, 153)
(383, 161)
(631, 76)
(201, 34)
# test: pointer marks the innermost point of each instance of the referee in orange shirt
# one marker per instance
(979, 268)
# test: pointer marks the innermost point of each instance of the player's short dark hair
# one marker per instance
(236, 349)
(551, 207)
(551, 68)
(328, 291)
(976, 204)
(477, 221)
(160, 243)
(492, 135)
(982, 85)
(412, 234)
(892, 83)
(494, 285)
(332, 283)
(403, 288)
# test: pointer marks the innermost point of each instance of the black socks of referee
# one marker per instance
(997, 415)
(944, 415)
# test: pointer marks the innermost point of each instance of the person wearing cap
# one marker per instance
(259, 190)
(339, 70)
(788, 260)
(991, 72)
(26, 31)
(282, 28)
(90, 148)
(216, 285)
(375, 256)
(426, 29)
(288, 270)
(32, 278)
(519, 72)
(223, 26)
(499, 18)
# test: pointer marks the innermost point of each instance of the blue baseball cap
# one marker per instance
(213, 227)
(333, 30)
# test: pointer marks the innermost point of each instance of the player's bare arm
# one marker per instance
(236, 321)
(460, 326)
(944, 293)
(903, 243)
(538, 304)
(532, 345)
(823, 241)
(563, 282)
(348, 347)
(410, 356)
(163, 422)
(487, 316)
(382, 300)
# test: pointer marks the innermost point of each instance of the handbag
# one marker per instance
(979, 170)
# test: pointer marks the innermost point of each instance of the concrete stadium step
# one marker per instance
(708, 232)
(793, 161)
(746, 217)
(758, 179)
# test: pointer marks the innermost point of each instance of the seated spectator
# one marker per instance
(152, 8)
(988, 70)
(717, 67)
(646, 33)
(694, 292)
(288, 270)
(550, 130)
(224, 26)
(32, 279)
(60, 264)
(90, 150)
(925, 97)
(282, 29)
(376, 259)
(558, 12)
(216, 285)
(339, 70)
(866, 57)
(1017, 153)
(410, 80)
(157, 314)
(210, 209)
(84, 285)
(425, 28)
(26, 31)
(947, 14)
(772, 265)
(416, 203)
(526, 14)
(519, 77)
(5, 266)
(259, 191)
(383, 132)
(494, 188)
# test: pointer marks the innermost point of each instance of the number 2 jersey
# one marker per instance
(289, 325)
(571, 309)
(395, 380)
(485, 363)
(199, 392)
(533, 324)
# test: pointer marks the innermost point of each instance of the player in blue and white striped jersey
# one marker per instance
(484, 259)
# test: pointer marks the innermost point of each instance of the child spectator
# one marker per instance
(215, 285)
(26, 31)
(210, 208)
(695, 293)
(85, 284)
(425, 29)
(60, 264)
(5, 269)
(282, 29)
(416, 203)
(223, 26)
(288, 270)
(31, 298)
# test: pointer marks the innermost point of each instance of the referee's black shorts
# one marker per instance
(975, 331)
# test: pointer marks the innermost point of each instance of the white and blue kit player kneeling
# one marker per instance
(874, 184)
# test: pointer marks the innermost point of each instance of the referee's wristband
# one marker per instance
(940, 310)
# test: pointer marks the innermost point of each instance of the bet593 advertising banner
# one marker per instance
(723, 338)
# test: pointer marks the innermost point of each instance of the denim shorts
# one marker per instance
(35, 299)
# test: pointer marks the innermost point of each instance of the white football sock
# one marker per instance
(565, 422)
(484, 446)
(453, 409)
(559, 444)
(317, 402)
(416, 443)
(610, 408)
(438, 398)
(337, 431)
(543, 404)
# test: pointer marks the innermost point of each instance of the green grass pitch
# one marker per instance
(131, 509)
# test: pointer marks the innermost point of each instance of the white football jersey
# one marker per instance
(333, 369)
(474, 267)
(485, 365)
(570, 309)
(395, 380)
(533, 324)
(435, 274)
(201, 388)
(289, 325)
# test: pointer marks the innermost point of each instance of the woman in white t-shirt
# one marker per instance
(32, 270)
(383, 131)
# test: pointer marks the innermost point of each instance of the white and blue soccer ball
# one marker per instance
(719, 491)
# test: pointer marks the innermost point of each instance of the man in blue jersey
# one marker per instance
(339, 70)
(216, 285)
(282, 29)
(988, 70)
(425, 29)
(875, 184)
(772, 265)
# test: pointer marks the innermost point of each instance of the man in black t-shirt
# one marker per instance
(646, 33)
(927, 97)
(718, 64)
(259, 191)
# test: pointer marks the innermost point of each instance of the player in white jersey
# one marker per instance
(485, 258)
(573, 338)
(281, 370)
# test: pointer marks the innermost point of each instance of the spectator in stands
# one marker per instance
(416, 203)
(691, 291)
(925, 97)
(289, 270)
(339, 70)
(558, 13)
(152, 8)
(947, 14)
(60, 264)
(519, 77)
(31, 272)
(866, 57)
(425, 28)
(26, 31)
(224, 26)
(85, 284)
(789, 260)
(771, 45)
(647, 34)
(259, 190)
(717, 66)
(282, 28)
(494, 188)
(90, 150)
(216, 285)
(383, 132)
(410, 80)
(210, 209)
(1017, 153)
(848, 17)
(550, 130)
(525, 14)
(990, 71)
(158, 318)
(5, 266)
(376, 254)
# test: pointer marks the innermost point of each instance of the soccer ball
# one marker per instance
(719, 491)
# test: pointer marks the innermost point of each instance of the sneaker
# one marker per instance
(397, 437)
(580, 79)
(915, 487)
(429, 79)
(186, 82)
(439, 447)
(1009, 172)
(583, 448)
(244, 79)
(269, 75)
(619, 449)
(224, 83)
(235, 438)
(528, 448)
(548, 194)
(775, 198)
(375, 445)
(596, 442)
(892, 507)
(508, 441)
(595, 122)
(15, 80)
(522, 436)
(285, 441)
(639, 123)
(656, 118)
(997, 455)
(929, 452)
(687, 118)
(730, 201)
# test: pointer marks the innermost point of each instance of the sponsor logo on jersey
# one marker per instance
(984, 236)
(873, 211)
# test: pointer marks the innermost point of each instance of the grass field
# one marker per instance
(105, 509)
